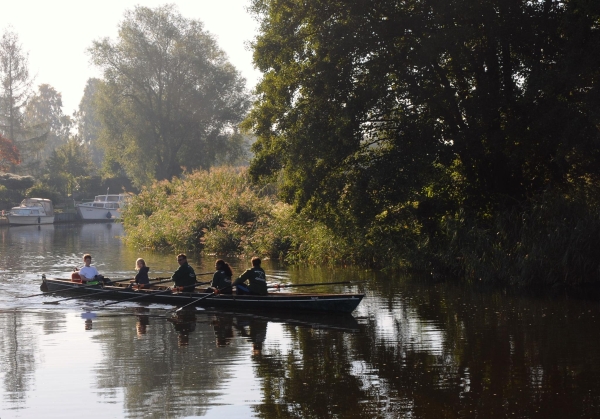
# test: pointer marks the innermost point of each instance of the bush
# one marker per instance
(220, 212)
(16, 182)
(44, 191)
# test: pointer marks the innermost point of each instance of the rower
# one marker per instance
(257, 281)
(184, 277)
(87, 273)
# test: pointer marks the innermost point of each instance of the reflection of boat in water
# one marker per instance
(32, 211)
(338, 321)
(104, 207)
(280, 301)
(34, 236)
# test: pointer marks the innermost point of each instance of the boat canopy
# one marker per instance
(46, 204)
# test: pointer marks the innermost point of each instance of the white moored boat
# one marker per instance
(32, 211)
(104, 207)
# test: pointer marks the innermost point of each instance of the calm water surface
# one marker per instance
(411, 349)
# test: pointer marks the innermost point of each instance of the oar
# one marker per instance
(71, 288)
(100, 292)
(202, 298)
(313, 285)
(149, 294)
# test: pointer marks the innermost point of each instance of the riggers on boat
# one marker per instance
(278, 301)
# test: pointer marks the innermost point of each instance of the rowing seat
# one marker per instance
(75, 277)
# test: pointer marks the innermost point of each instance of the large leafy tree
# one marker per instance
(43, 116)
(379, 110)
(170, 99)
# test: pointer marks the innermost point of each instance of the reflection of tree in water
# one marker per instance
(313, 379)
(158, 370)
(18, 346)
(494, 356)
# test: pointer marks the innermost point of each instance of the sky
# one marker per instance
(57, 33)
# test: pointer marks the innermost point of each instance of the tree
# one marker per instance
(379, 111)
(9, 154)
(15, 83)
(88, 121)
(43, 115)
(67, 164)
(170, 99)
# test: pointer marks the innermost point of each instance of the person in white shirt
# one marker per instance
(87, 273)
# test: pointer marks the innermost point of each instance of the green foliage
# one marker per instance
(15, 84)
(387, 119)
(219, 212)
(5, 197)
(67, 165)
(40, 190)
(169, 99)
(43, 114)
(548, 241)
(88, 122)
(16, 182)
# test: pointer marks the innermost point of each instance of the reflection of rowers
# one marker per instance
(88, 316)
(184, 323)
(223, 327)
(255, 330)
(143, 320)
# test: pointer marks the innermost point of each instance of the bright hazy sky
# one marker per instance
(57, 33)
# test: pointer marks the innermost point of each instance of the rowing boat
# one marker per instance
(278, 301)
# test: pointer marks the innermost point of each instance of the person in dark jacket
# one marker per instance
(141, 278)
(221, 282)
(184, 277)
(256, 278)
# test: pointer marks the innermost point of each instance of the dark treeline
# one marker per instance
(458, 136)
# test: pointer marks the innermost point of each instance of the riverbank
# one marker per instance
(62, 217)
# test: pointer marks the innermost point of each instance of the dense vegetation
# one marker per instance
(220, 212)
(461, 135)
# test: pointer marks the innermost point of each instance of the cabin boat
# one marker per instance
(160, 294)
(32, 211)
(104, 207)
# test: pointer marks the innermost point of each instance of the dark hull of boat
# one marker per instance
(335, 303)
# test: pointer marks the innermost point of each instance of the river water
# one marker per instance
(412, 349)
